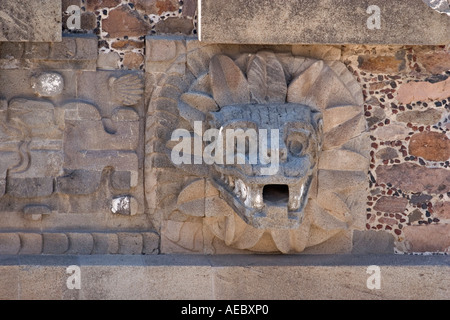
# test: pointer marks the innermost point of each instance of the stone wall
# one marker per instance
(72, 174)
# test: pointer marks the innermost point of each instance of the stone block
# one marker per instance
(105, 243)
(442, 210)
(189, 8)
(54, 243)
(292, 22)
(372, 242)
(433, 146)
(9, 243)
(150, 243)
(175, 26)
(130, 243)
(423, 91)
(427, 117)
(426, 238)
(93, 5)
(156, 6)
(391, 205)
(35, 212)
(80, 243)
(414, 178)
(169, 53)
(37, 21)
(31, 243)
(122, 21)
(30, 187)
(108, 60)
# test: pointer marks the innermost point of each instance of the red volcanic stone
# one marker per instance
(433, 146)
(93, 5)
(381, 64)
(442, 210)
(435, 62)
(123, 21)
(189, 8)
(391, 205)
(414, 178)
(388, 221)
(427, 238)
(156, 6)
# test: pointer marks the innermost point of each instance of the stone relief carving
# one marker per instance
(317, 106)
(72, 154)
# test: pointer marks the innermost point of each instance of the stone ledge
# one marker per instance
(37, 21)
(322, 22)
(180, 277)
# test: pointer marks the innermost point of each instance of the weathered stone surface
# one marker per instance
(189, 8)
(423, 91)
(130, 243)
(427, 117)
(9, 243)
(420, 198)
(387, 154)
(391, 132)
(156, 6)
(150, 243)
(317, 52)
(372, 242)
(108, 60)
(35, 212)
(127, 44)
(442, 210)
(54, 243)
(38, 21)
(123, 21)
(93, 5)
(31, 243)
(291, 22)
(427, 238)
(105, 243)
(80, 243)
(175, 26)
(415, 178)
(434, 62)
(162, 277)
(30, 187)
(381, 64)
(391, 205)
(433, 146)
(132, 60)
(73, 52)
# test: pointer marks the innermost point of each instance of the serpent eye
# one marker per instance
(297, 142)
(295, 147)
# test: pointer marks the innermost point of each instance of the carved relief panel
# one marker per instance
(288, 179)
(71, 145)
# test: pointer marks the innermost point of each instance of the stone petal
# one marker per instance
(229, 84)
(200, 101)
(343, 160)
(266, 79)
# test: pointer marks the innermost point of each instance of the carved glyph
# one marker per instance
(218, 207)
(72, 154)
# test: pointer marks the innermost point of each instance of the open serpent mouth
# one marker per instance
(267, 206)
